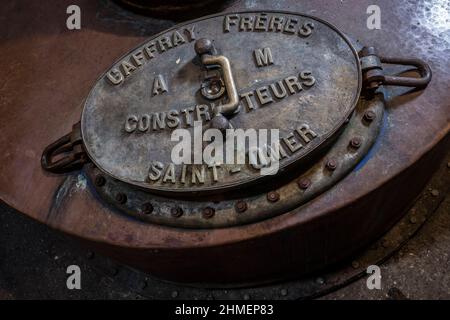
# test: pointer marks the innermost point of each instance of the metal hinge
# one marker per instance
(374, 75)
(71, 152)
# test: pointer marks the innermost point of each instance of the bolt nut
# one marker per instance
(203, 46)
(208, 212)
(356, 142)
(369, 115)
(176, 212)
(147, 208)
(121, 198)
(241, 206)
(100, 180)
(331, 164)
(304, 183)
(273, 196)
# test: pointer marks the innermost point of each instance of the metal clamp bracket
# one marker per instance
(72, 145)
(374, 76)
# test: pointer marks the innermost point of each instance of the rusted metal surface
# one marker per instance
(364, 205)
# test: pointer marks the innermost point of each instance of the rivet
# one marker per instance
(283, 292)
(304, 183)
(208, 212)
(369, 115)
(147, 208)
(435, 193)
(100, 181)
(174, 294)
(246, 296)
(273, 196)
(331, 164)
(176, 212)
(355, 264)
(121, 198)
(355, 142)
(413, 220)
(241, 206)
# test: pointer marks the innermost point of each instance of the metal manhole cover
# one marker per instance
(287, 72)
(292, 72)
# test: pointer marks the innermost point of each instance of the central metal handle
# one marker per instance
(205, 50)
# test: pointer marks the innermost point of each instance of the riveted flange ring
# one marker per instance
(357, 138)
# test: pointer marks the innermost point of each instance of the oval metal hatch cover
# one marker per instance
(293, 72)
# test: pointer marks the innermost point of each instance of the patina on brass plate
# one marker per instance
(293, 72)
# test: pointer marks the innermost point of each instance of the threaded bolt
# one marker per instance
(147, 208)
(121, 198)
(369, 115)
(241, 206)
(304, 183)
(356, 142)
(100, 180)
(331, 164)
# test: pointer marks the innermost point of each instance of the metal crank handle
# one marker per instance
(205, 50)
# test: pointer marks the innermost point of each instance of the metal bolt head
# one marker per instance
(176, 212)
(413, 220)
(174, 294)
(100, 180)
(121, 198)
(283, 292)
(331, 164)
(241, 206)
(369, 115)
(355, 264)
(304, 183)
(356, 142)
(435, 193)
(273, 196)
(208, 212)
(203, 46)
(147, 208)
